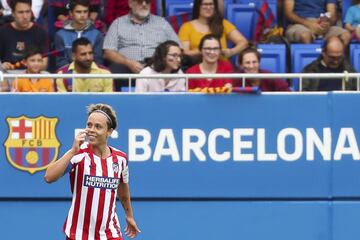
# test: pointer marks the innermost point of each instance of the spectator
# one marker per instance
(134, 37)
(304, 15)
(249, 61)
(83, 57)
(20, 34)
(352, 20)
(34, 62)
(6, 13)
(332, 60)
(78, 26)
(4, 84)
(166, 59)
(207, 19)
(210, 49)
(61, 9)
(118, 8)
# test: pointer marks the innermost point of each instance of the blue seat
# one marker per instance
(302, 55)
(178, 8)
(273, 57)
(243, 16)
(127, 89)
(257, 3)
(175, 7)
(345, 5)
(355, 56)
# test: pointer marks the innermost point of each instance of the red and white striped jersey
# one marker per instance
(94, 182)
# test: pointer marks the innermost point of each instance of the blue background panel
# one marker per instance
(345, 220)
(280, 178)
(182, 220)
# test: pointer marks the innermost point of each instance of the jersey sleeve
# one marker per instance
(74, 161)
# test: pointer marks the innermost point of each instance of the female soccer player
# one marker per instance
(98, 173)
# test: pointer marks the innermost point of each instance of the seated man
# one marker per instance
(18, 35)
(78, 26)
(309, 21)
(332, 60)
(83, 62)
(134, 37)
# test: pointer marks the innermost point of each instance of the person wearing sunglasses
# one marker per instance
(133, 38)
(166, 59)
(210, 49)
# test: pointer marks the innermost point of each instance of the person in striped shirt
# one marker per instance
(98, 173)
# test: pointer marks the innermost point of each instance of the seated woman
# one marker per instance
(166, 59)
(249, 61)
(207, 19)
(210, 49)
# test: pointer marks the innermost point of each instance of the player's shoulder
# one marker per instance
(119, 153)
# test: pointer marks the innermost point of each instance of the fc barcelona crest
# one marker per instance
(32, 143)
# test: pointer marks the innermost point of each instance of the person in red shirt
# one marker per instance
(249, 61)
(98, 172)
(210, 49)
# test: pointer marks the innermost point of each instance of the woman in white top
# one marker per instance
(166, 59)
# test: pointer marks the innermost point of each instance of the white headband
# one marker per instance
(106, 115)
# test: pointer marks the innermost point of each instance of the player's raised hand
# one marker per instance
(79, 139)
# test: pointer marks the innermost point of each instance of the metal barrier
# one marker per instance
(345, 76)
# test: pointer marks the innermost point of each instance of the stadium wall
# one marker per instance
(269, 166)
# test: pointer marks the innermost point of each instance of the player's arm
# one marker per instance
(57, 169)
(131, 229)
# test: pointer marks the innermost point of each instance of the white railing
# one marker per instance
(131, 77)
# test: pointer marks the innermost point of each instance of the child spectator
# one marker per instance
(78, 26)
(33, 62)
(61, 9)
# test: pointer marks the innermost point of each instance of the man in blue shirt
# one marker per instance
(311, 19)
